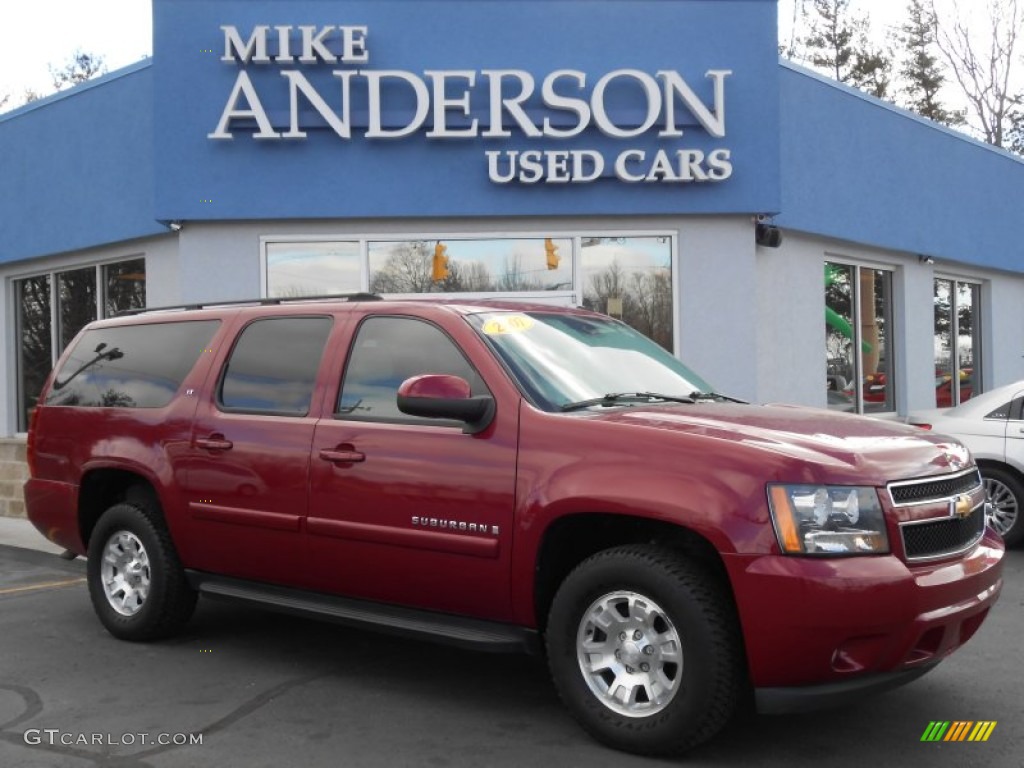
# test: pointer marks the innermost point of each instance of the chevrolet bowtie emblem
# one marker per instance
(960, 506)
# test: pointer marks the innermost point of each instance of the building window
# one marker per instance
(630, 278)
(956, 318)
(124, 286)
(627, 277)
(76, 290)
(52, 308)
(858, 323)
(35, 342)
(312, 268)
(501, 265)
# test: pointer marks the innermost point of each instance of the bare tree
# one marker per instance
(983, 61)
(790, 48)
(646, 299)
(407, 270)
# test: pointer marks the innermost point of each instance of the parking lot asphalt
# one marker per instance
(264, 689)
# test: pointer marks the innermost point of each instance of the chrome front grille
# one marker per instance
(934, 488)
(960, 496)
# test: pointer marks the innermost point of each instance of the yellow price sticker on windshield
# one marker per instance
(497, 326)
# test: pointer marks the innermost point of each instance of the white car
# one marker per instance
(991, 425)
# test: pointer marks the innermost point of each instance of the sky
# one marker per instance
(40, 33)
(882, 13)
(43, 33)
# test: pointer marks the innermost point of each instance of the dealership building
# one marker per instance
(788, 237)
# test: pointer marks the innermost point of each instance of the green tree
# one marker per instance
(838, 43)
(919, 69)
(78, 68)
(1016, 132)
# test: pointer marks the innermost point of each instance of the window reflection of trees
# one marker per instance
(35, 356)
(636, 286)
(956, 308)
(474, 266)
(75, 293)
(77, 302)
(125, 286)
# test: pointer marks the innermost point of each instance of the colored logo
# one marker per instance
(960, 506)
(958, 730)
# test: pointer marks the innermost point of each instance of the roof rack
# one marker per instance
(358, 296)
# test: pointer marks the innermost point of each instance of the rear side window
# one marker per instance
(131, 366)
(272, 368)
(1002, 412)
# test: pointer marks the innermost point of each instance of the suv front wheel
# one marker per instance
(136, 581)
(644, 649)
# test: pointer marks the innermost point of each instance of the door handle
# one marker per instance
(343, 454)
(215, 442)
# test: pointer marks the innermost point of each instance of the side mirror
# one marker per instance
(439, 396)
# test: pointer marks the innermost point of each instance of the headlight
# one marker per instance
(828, 520)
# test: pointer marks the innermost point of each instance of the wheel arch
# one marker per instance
(572, 538)
(103, 487)
(1002, 465)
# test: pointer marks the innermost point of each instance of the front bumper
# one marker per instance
(809, 698)
(821, 630)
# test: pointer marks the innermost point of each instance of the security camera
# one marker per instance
(767, 235)
(175, 226)
(762, 218)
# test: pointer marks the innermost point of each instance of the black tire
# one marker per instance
(1006, 493)
(705, 686)
(143, 594)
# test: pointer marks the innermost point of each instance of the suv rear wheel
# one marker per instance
(645, 651)
(136, 581)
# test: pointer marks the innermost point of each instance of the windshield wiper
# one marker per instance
(614, 398)
(698, 395)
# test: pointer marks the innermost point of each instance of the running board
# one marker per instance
(460, 631)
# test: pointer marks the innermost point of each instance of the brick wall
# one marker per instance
(13, 474)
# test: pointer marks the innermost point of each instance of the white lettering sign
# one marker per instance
(571, 106)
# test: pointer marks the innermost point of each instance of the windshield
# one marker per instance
(561, 359)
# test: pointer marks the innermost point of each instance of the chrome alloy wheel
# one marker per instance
(630, 654)
(125, 573)
(1003, 509)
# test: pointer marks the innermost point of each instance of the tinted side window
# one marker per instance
(386, 352)
(273, 366)
(1017, 410)
(133, 366)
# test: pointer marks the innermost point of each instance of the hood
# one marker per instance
(806, 442)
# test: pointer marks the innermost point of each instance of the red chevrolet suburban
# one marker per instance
(510, 477)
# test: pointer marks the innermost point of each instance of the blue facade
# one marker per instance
(110, 160)
(858, 169)
(324, 175)
(76, 169)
